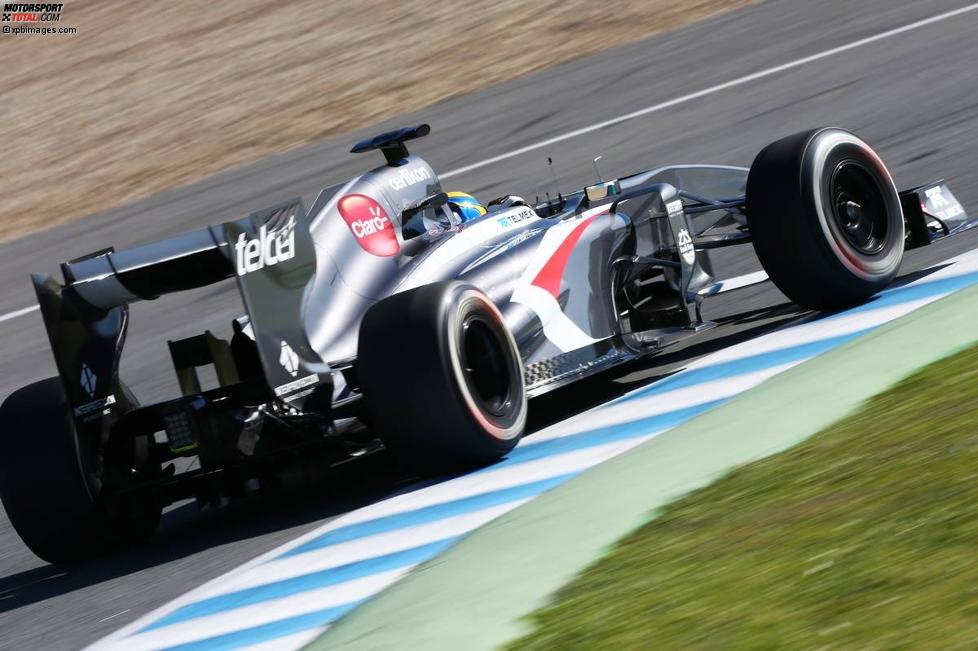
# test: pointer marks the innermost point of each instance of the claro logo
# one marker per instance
(269, 248)
(369, 223)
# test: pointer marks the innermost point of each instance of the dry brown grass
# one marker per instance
(149, 95)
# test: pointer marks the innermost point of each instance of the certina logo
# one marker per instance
(289, 359)
(88, 380)
(686, 248)
(409, 176)
(273, 245)
(370, 225)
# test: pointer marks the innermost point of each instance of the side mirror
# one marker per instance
(602, 190)
(431, 212)
(434, 201)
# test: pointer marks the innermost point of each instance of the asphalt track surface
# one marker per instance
(910, 95)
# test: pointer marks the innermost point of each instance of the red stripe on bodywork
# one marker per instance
(553, 271)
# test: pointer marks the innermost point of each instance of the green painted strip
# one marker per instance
(473, 596)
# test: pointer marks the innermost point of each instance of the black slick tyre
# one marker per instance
(441, 377)
(51, 482)
(825, 218)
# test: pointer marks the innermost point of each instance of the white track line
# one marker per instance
(253, 571)
(682, 99)
(844, 324)
(736, 282)
(266, 612)
(296, 641)
(16, 313)
(654, 404)
(406, 537)
(359, 549)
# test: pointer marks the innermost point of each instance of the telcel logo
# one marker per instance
(269, 248)
(369, 223)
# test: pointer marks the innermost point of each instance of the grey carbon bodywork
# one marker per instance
(492, 252)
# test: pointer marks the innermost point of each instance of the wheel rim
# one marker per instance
(858, 207)
(485, 369)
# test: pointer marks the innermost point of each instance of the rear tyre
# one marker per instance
(51, 483)
(441, 376)
(825, 218)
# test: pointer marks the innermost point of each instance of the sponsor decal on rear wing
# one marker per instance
(270, 254)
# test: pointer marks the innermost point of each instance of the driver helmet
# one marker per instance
(507, 201)
(465, 206)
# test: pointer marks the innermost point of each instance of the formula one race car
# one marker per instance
(378, 298)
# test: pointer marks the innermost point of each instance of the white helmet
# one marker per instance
(507, 201)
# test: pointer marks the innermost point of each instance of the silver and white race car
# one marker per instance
(362, 309)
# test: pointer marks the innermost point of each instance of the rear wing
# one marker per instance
(271, 255)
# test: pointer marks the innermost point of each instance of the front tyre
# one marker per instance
(825, 218)
(441, 377)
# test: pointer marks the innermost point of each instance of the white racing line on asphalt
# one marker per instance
(288, 596)
(16, 313)
(682, 99)
(739, 81)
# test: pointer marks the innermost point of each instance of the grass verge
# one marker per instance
(861, 537)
